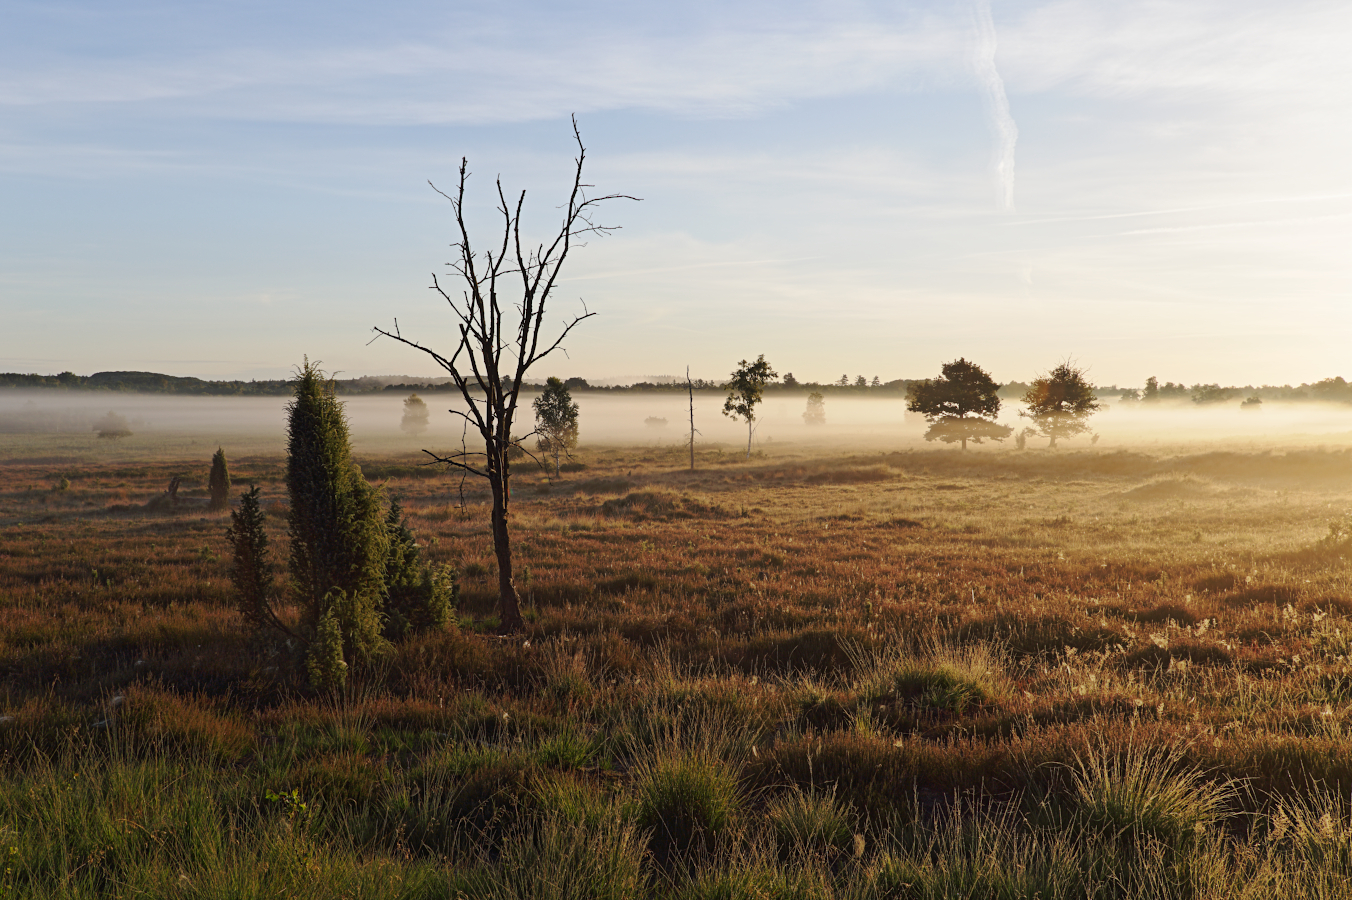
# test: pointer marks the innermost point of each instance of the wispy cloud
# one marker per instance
(1003, 128)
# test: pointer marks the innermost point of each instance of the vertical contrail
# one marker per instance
(997, 104)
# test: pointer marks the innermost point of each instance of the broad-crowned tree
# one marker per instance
(219, 482)
(960, 405)
(815, 414)
(745, 391)
(555, 421)
(500, 339)
(337, 525)
(1060, 403)
(415, 415)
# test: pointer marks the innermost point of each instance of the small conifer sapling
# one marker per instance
(219, 482)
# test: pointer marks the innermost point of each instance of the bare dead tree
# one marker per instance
(690, 388)
(500, 340)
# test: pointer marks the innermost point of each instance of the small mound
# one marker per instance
(602, 485)
(642, 505)
(852, 475)
(1170, 489)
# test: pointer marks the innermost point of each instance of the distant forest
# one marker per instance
(1330, 389)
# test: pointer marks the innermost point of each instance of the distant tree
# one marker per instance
(112, 426)
(1253, 404)
(1333, 389)
(655, 422)
(416, 415)
(577, 384)
(960, 405)
(219, 482)
(499, 339)
(1129, 395)
(1206, 394)
(555, 421)
(338, 537)
(815, 414)
(877, 382)
(790, 381)
(860, 381)
(1170, 390)
(1060, 403)
(844, 381)
(1152, 390)
(745, 391)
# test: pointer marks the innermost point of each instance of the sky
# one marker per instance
(220, 189)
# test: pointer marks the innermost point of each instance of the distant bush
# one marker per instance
(112, 426)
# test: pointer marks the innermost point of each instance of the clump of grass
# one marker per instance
(1147, 792)
(689, 802)
(562, 860)
(961, 853)
(945, 678)
(804, 822)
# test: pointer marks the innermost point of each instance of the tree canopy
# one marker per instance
(556, 421)
(960, 405)
(1060, 403)
(745, 390)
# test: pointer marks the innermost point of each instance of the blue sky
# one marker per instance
(1154, 188)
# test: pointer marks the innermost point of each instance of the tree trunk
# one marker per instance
(690, 388)
(509, 605)
(748, 438)
(964, 443)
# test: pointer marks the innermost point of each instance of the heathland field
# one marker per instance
(1086, 673)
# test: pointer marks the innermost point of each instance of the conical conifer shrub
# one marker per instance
(219, 482)
(337, 528)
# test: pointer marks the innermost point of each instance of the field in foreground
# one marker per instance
(924, 674)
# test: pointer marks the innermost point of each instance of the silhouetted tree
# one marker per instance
(1205, 394)
(745, 390)
(338, 539)
(1060, 403)
(219, 482)
(789, 381)
(960, 405)
(815, 414)
(1151, 394)
(415, 417)
(556, 421)
(489, 361)
(1253, 404)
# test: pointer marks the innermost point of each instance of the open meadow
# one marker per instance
(867, 668)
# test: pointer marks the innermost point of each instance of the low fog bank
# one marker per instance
(635, 419)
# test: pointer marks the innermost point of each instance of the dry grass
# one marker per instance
(808, 652)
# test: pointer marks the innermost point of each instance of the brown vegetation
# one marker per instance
(906, 635)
